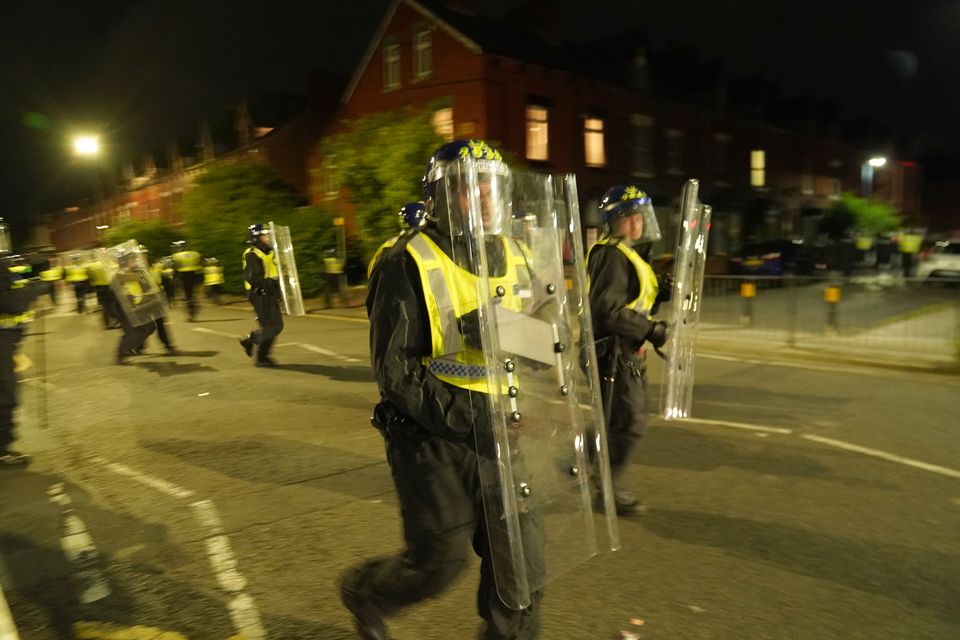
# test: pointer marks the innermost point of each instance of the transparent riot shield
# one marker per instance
(138, 293)
(691, 257)
(525, 353)
(287, 267)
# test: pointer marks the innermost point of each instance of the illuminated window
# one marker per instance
(259, 132)
(538, 143)
(673, 151)
(758, 168)
(593, 149)
(422, 55)
(642, 144)
(442, 121)
(391, 66)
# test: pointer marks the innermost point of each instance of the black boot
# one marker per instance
(370, 624)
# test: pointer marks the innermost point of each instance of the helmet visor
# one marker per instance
(636, 221)
(473, 197)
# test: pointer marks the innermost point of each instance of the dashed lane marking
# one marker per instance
(876, 453)
(242, 608)
(735, 425)
(79, 549)
(160, 485)
(108, 631)
(8, 630)
(327, 352)
(216, 333)
(243, 611)
(324, 316)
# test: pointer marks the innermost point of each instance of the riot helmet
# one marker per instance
(446, 194)
(178, 245)
(211, 262)
(259, 235)
(4, 237)
(413, 214)
(627, 211)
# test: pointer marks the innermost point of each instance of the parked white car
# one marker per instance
(944, 261)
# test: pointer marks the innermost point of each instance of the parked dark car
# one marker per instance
(776, 258)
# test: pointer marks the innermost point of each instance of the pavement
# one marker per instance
(930, 348)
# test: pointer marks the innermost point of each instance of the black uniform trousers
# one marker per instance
(438, 485)
(267, 308)
(628, 418)
(80, 289)
(133, 336)
(188, 280)
(108, 306)
(8, 383)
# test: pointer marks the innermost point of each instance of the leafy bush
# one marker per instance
(155, 235)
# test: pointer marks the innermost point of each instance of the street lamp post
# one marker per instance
(866, 174)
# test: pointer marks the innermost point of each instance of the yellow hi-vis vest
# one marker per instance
(910, 243)
(389, 242)
(648, 279)
(212, 275)
(76, 273)
(52, 274)
(186, 261)
(269, 264)
(14, 320)
(451, 292)
(97, 274)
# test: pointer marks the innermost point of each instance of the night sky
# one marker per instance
(141, 71)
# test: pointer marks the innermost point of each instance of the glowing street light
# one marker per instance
(86, 145)
(866, 174)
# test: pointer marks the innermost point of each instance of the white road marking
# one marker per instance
(945, 471)
(327, 352)
(8, 630)
(79, 549)
(735, 425)
(160, 485)
(216, 333)
(324, 316)
(864, 369)
(243, 610)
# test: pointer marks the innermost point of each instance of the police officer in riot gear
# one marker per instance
(188, 266)
(261, 279)
(16, 296)
(412, 216)
(624, 292)
(76, 275)
(130, 280)
(212, 279)
(426, 416)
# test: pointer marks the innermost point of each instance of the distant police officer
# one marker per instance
(623, 293)
(16, 296)
(412, 217)
(52, 276)
(76, 275)
(100, 282)
(212, 279)
(262, 281)
(426, 415)
(132, 282)
(188, 267)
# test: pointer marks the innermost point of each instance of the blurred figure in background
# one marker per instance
(212, 279)
(76, 275)
(188, 266)
(16, 296)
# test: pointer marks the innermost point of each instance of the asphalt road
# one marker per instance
(196, 496)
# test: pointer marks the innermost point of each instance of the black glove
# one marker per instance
(664, 288)
(470, 328)
(658, 334)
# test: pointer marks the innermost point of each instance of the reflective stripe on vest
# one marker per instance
(269, 265)
(450, 292)
(12, 321)
(212, 276)
(76, 273)
(648, 279)
(52, 274)
(186, 261)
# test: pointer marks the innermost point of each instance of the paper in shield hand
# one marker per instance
(525, 336)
